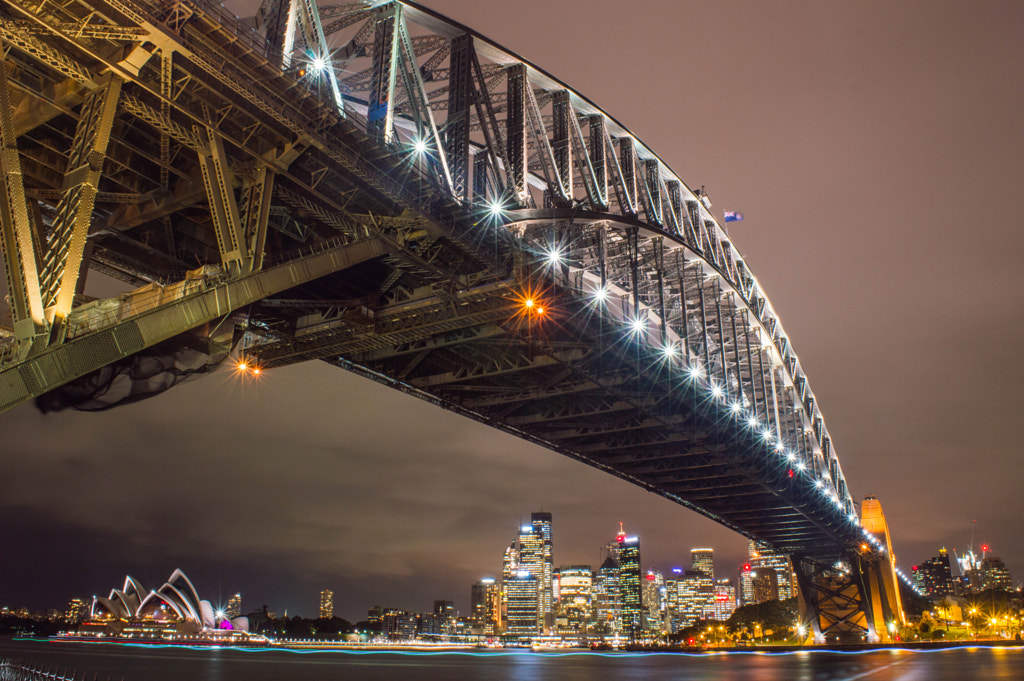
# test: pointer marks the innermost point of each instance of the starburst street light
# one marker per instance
(601, 294)
(555, 256)
(419, 145)
(495, 208)
(638, 325)
(318, 64)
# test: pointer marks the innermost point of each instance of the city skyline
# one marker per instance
(856, 219)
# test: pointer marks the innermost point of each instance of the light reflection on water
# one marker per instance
(136, 662)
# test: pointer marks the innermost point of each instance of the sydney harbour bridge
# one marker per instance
(373, 185)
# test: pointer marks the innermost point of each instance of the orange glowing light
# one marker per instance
(540, 310)
(256, 371)
(242, 366)
(528, 303)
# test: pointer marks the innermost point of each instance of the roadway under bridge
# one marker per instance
(372, 185)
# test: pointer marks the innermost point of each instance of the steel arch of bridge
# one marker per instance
(377, 186)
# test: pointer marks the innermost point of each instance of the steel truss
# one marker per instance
(148, 138)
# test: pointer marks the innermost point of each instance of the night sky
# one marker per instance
(876, 150)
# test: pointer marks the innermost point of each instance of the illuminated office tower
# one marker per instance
(747, 584)
(763, 557)
(485, 605)
(703, 560)
(522, 594)
(234, 606)
(606, 598)
(691, 596)
(541, 522)
(766, 585)
(575, 588)
(724, 601)
(630, 578)
(936, 575)
(509, 567)
(326, 604)
(531, 560)
(76, 611)
(995, 574)
(655, 601)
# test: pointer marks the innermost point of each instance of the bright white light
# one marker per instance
(819, 483)
(220, 613)
(638, 325)
(737, 407)
(319, 64)
(753, 422)
(496, 208)
(555, 256)
(716, 391)
(767, 435)
(801, 466)
(419, 146)
(601, 294)
(695, 372)
(853, 517)
(790, 456)
(669, 351)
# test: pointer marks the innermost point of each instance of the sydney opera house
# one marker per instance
(174, 609)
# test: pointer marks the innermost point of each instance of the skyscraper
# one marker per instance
(937, 576)
(995, 574)
(630, 585)
(326, 604)
(703, 560)
(606, 597)
(724, 601)
(531, 560)
(763, 557)
(485, 606)
(575, 587)
(541, 523)
(655, 597)
(523, 594)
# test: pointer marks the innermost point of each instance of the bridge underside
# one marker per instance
(423, 208)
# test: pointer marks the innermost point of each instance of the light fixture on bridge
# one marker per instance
(638, 325)
(495, 208)
(419, 145)
(736, 407)
(555, 256)
(695, 372)
(801, 466)
(753, 422)
(716, 391)
(601, 294)
(319, 63)
(669, 351)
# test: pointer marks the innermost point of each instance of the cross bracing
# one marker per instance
(150, 138)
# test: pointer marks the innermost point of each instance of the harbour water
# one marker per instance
(177, 663)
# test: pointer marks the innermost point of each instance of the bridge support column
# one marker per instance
(856, 598)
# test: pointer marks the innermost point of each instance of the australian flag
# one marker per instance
(731, 216)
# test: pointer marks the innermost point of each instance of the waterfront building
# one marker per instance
(234, 606)
(398, 625)
(485, 606)
(575, 590)
(326, 604)
(541, 523)
(523, 597)
(917, 578)
(174, 609)
(444, 613)
(630, 578)
(76, 611)
(693, 593)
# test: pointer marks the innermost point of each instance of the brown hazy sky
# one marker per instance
(876, 149)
